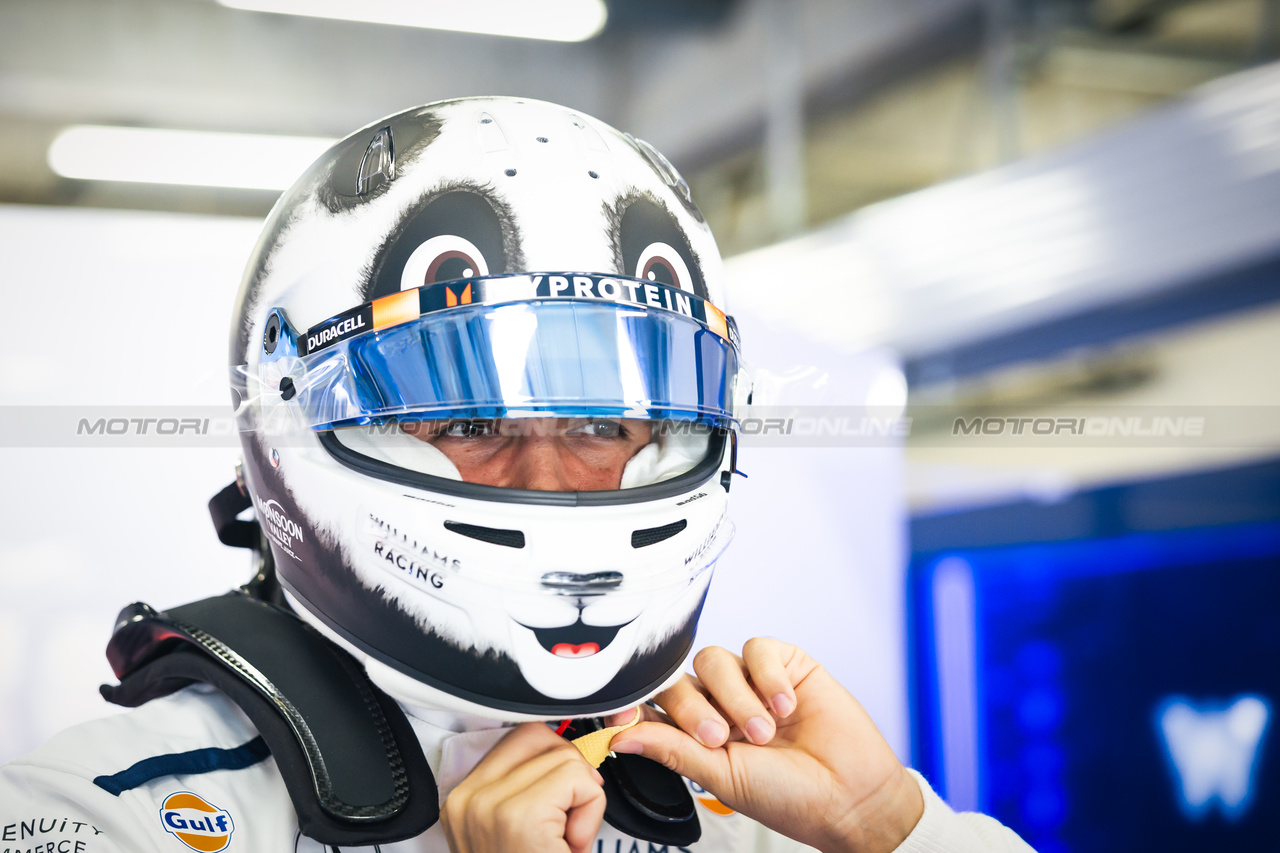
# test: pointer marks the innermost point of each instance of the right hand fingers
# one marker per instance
(533, 791)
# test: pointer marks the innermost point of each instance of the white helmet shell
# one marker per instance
(511, 604)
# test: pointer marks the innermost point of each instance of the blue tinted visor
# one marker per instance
(561, 357)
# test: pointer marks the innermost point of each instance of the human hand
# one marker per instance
(772, 735)
(533, 792)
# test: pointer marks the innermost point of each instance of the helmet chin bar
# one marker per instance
(400, 681)
(420, 688)
(418, 695)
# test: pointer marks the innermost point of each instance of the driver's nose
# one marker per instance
(539, 464)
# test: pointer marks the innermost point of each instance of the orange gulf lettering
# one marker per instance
(396, 308)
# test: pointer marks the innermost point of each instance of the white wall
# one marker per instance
(106, 308)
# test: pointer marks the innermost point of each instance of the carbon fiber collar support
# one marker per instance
(349, 758)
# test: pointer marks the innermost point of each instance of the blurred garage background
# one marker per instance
(1009, 269)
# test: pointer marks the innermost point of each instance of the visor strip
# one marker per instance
(409, 305)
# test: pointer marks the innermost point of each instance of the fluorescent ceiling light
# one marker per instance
(553, 20)
(151, 156)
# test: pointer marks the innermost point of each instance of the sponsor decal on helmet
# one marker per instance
(196, 822)
(708, 540)
(330, 334)
(282, 529)
(454, 296)
(415, 559)
(492, 290)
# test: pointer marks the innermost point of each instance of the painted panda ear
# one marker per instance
(460, 232)
(650, 244)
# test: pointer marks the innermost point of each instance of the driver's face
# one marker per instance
(547, 454)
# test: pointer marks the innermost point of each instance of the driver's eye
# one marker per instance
(468, 429)
(600, 429)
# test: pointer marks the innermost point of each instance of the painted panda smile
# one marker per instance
(578, 640)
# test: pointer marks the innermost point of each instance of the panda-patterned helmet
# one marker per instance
(487, 392)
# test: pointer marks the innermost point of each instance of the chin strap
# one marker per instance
(595, 746)
(224, 509)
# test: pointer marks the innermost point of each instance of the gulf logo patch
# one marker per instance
(196, 822)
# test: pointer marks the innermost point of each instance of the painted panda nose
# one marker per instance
(574, 583)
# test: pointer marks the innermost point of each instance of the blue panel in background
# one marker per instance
(1111, 693)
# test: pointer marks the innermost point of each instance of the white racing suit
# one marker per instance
(189, 772)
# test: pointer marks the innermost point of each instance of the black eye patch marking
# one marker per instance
(635, 222)
(471, 211)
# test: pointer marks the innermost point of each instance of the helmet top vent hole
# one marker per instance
(510, 173)
(654, 535)
(593, 174)
(542, 139)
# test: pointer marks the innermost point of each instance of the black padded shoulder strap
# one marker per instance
(348, 756)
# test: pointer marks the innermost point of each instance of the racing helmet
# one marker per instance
(486, 391)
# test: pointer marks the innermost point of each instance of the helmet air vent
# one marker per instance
(378, 166)
(654, 535)
(492, 535)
